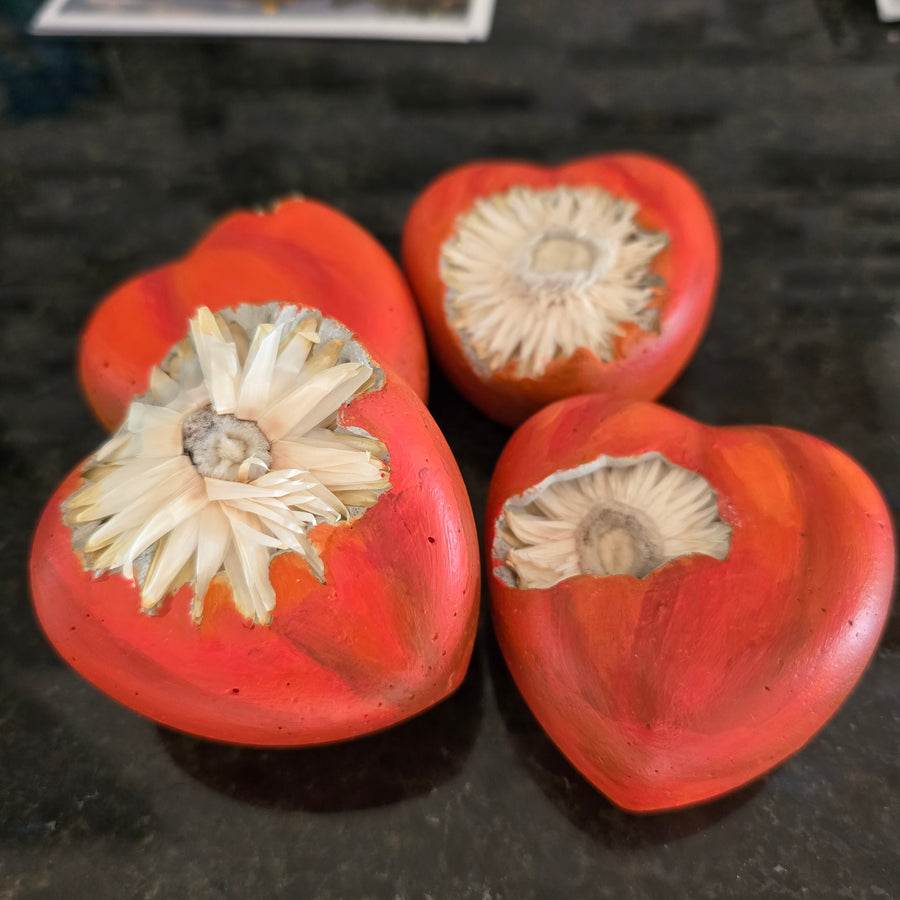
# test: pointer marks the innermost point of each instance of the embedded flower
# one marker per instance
(232, 456)
(612, 517)
(532, 275)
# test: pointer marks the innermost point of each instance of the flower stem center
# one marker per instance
(565, 255)
(223, 446)
(615, 539)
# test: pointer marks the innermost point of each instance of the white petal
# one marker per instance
(139, 480)
(158, 428)
(158, 493)
(257, 376)
(247, 568)
(537, 529)
(120, 445)
(172, 552)
(218, 358)
(341, 440)
(296, 519)
(314, 401)
(292, 356)
(299, 543)
(544, 565)
(163, 388)
(215, 535)
(190, 499)
(333, 467)
(183, 366)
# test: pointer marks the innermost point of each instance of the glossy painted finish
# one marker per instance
(301, 251)
(388, 635)
(646, 363)
(674, 689)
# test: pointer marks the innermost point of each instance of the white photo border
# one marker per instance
(888, 10)
(474, 25)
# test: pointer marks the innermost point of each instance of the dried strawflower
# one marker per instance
(611, 517)
(232, 456)
(532, 275)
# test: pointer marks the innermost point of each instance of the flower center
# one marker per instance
(615, 539)
(223, 446)
(561, 254)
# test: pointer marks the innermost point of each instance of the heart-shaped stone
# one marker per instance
(300, 251)
(538, 283)
(682, 606)
(314, 494)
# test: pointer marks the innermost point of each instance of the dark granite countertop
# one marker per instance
(115, 155)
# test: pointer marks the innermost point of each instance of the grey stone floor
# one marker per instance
(116, 154)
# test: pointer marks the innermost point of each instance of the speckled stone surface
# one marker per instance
(116, 154)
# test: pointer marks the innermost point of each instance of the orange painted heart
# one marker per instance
(276, 548)
(540, 283)
(301, 251)
(682, 606)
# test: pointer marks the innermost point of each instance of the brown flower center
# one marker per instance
(223, 446)
(615, 539)
(561, 254)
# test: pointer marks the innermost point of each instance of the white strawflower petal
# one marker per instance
(532, 275)
(359, 497)
(292, 357)
(309, 456)
(563, 500)
(612, 517)
(302, 508)
(218, 358)
(187, 502)
(159, 429)
(162, 488)
(110, 557)
(349, 477)
(338, 467)
(247, 568)
(163, 388)
(215, 532)
(314, 401)
(251, 530)
(298, 542)
(119, 446)
(258, 370)
(531, 529)
(172, 552)
(249, 316)
(276, 521)
(341, 440)
(293, 486)
(192, 486)
(111, 488)
(544, 565)
(282, 489)
(219, 489)
(189, 399)
(324, 356)
(183, 366)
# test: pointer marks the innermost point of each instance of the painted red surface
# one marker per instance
(673, 689)
(301, 252)
(388, 635)
(646, 363)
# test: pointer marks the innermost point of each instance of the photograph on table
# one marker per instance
(426, 20)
